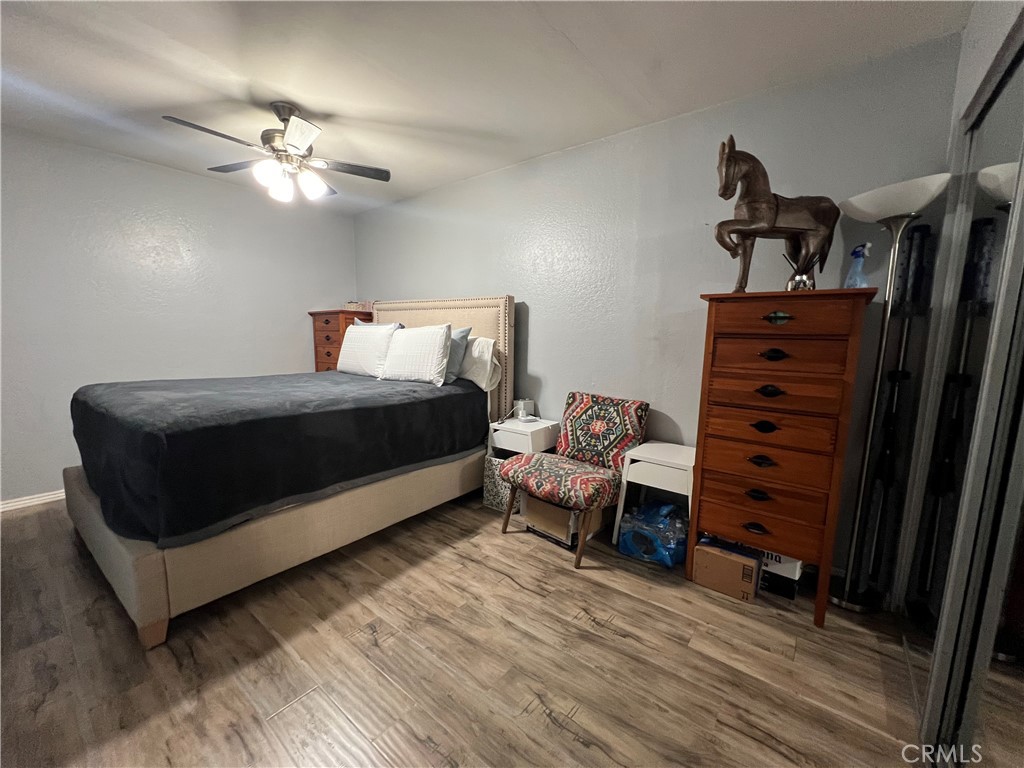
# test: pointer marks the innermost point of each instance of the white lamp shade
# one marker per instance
(283, 189)
(299, 134)
(267, 171)
(895, 199)
(312, 186)
(999, 181)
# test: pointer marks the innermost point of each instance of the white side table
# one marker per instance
(524, 436)
(657, 465)
(513, 436)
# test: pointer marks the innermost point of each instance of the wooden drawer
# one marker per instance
(780, 355)
(785, 393)
(327, 355)
(330, 338)
(762, 464)
(765, 498)
(785, 317)
(784, 537)
(326, 366)
(770, 428)
(327, 322)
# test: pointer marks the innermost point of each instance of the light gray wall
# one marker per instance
(987, 29)
(607, 246)
(114, 269)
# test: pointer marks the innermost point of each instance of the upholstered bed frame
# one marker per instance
(155, 585)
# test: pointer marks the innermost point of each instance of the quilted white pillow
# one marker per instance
(419, 354)
(365, 349)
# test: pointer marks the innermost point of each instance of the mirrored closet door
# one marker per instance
(966, 485)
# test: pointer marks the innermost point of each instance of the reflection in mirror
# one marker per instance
(995, 161)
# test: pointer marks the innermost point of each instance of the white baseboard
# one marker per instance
(30, 501)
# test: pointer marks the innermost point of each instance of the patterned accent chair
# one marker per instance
(585, 472)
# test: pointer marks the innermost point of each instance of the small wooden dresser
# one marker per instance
(774, 415)
(329, 326)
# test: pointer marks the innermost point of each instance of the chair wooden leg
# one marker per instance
(583, 532)
(512, 495)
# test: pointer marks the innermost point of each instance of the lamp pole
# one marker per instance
(896, 226)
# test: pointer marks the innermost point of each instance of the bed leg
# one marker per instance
(512, 494)
(153, 634)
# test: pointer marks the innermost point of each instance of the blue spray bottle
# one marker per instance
(855, 277)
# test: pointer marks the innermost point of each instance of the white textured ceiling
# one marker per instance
(436, 92)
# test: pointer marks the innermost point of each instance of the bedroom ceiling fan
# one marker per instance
(289, 162)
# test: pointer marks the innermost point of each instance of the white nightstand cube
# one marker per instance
(524, 436)
(656, 465)
(513, 436)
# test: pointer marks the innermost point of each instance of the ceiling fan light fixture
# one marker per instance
(283, 190)
(268, 172)
(312, 186)
(299, 135)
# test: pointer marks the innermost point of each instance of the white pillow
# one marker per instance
(419, 354)
(480, 365)
(365, 349)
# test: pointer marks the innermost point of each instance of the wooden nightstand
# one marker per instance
(656, 465)
(329, 326)
(508, 437)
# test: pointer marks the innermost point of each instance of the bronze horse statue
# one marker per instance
(805, 223)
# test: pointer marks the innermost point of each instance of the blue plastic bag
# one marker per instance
(655, 533)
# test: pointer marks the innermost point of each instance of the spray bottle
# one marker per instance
(855, 277)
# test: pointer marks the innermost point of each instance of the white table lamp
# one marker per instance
(893, 206)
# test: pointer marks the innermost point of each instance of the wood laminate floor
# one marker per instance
(438, 642)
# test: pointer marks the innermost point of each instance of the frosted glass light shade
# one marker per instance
(999, 181)
(267, 171)
(895, 199)
(312, 186)
(283, 189)
(299, 134)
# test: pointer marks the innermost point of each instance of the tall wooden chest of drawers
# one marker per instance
(329, 326)
(774, 415)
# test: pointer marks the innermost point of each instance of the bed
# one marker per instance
(184, 551)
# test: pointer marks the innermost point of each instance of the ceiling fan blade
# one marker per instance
(299, 135)
(193, 126)
(366, 171)
(232, 167)
(330, 190)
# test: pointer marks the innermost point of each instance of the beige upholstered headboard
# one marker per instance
(492, 317)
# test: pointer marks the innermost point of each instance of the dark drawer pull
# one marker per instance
(327, 337)
(765, 427)
(327, 353)
(758, 495)
(777, 317)
(762, 461)
(774, 354)
(769, 390)
(327, 321)
(757, 528)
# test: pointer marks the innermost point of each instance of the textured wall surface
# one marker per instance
(115, 269)
(607, 246)
(986, 31)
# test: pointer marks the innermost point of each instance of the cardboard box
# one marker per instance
(557, 523)
(775, 584)
(788, 567)
(730, 573)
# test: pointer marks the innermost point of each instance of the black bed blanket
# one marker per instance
(181, 460)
